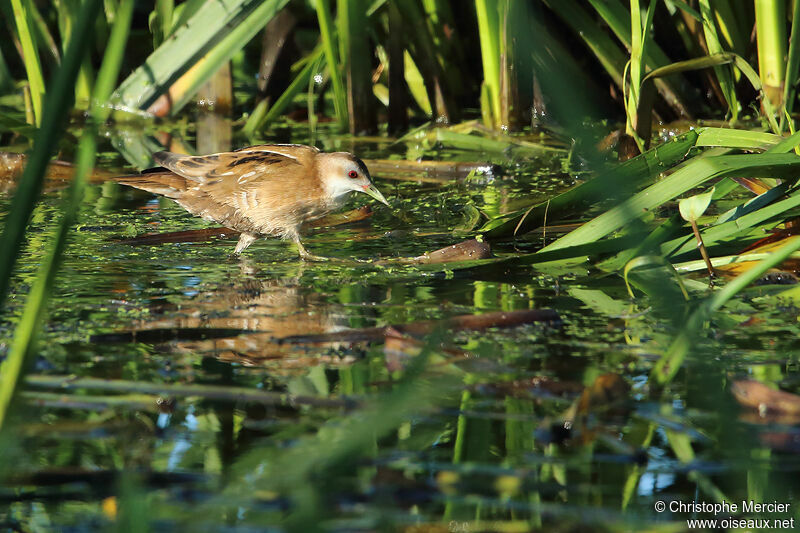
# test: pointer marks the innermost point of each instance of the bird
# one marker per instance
(259, 191)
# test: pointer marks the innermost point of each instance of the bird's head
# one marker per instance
(341, 173)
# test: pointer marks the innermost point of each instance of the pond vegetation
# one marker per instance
(579, 305)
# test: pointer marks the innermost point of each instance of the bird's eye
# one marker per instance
(352, 174)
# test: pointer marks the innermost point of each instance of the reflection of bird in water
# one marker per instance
(271, 309)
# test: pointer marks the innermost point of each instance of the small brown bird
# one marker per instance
(265, 190)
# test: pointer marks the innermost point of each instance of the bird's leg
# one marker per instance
(245, 240)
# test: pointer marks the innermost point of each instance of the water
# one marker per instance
(548, 424)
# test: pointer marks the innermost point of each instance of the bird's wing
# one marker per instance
(293, 150)
(229, 167)
(261, 183)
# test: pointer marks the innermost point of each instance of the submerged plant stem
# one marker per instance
(702, 248)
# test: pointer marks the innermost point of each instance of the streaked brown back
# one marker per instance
(265, 189)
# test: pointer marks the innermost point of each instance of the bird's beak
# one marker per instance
(375, 193)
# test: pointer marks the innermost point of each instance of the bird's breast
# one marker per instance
(282, 218)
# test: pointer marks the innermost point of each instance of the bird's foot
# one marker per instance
(318, 258)
(305, 256)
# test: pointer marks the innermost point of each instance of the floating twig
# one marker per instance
(181, 390)
(435, 171)
(469, 250)
(138, 402)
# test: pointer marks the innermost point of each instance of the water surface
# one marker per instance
(497, 432)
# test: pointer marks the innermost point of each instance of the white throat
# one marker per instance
(337, 189)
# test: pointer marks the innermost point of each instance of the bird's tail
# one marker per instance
(158, 181)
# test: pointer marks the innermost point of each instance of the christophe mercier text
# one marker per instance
(747, 506)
